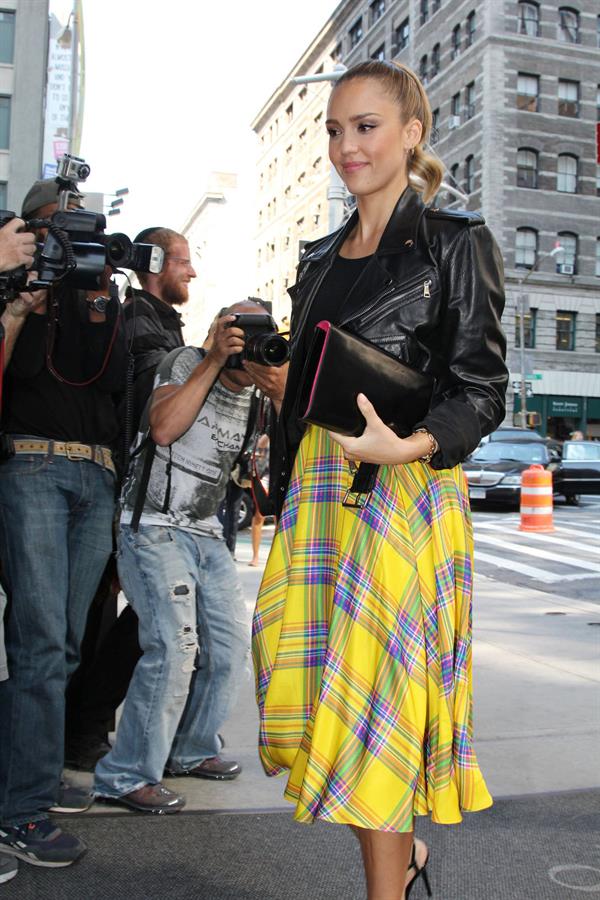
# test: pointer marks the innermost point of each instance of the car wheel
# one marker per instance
(246, 511)
(572, 499)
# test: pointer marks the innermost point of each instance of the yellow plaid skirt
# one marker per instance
(362, 646)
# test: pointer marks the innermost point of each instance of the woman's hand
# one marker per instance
(378, 443)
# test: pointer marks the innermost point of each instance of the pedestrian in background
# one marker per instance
(362, 630)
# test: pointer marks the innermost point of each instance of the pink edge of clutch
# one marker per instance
(325, 326)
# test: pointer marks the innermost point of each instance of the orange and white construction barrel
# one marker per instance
(536, 499)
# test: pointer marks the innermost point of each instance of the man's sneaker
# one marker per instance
(41, 844)
(215, 768)
(151, 798)
(8, 868)
(72, 800)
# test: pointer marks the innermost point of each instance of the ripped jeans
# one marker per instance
(185, 591)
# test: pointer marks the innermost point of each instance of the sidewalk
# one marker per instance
(537, 699)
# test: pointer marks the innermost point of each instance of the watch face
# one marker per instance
(100, 304)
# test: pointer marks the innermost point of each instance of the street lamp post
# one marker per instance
(523, 305)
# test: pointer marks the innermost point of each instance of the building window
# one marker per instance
(597, 250)
(529, 19)
(529, 323)
(566, 174)
(401, 36)
(455, 110)
(423, 69)
(568, 98)
(7, 37)
(527, 168)
(597, 332)
(356, 33)
(598, 103)
(526, 248)
(289, 112)
(470, 100)
(4, 123)
(455, 51)
(528, 90)
(424, 11)
(471, 28)
(376, 10)
(454, 174)
(568, 242)
(3, 187)
(565, 330)
(568, 25)
(598, 31)
(435, 124)
(435, 5)
(337, 52)
(435, 60)
(379, 53)
(469, 174)
(597, 181)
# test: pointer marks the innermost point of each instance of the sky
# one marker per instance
(171, 89)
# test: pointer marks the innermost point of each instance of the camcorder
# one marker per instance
(262, 343)
(76, 249)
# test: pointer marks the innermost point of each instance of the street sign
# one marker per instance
(535, 376)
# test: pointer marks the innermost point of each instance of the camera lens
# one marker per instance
(267, 349)
(83, 171)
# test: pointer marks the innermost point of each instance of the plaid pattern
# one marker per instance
(362, 646)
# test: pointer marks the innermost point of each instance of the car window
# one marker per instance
(520, 451)
(578, 450)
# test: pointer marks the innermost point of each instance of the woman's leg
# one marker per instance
(386, 859)
(256, 530)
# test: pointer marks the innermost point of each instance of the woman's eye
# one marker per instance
(332, 132)
(365, 126)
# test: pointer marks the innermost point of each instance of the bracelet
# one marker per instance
(433, 445)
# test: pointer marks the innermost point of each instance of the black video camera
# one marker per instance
(262, 343)
(76, 248)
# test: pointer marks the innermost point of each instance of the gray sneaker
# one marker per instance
(72, 800)
(151, 798)
(8, 868)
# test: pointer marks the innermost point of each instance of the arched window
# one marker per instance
(423, 69)
(568, 25)
(566, 174)
(529, 19)
(526, 248)
(469, 174)
(455, 42)
(435, 60)
(568, 241)
(527, 168)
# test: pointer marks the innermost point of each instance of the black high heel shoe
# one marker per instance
(420, 873)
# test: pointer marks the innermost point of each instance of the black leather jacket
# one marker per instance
(432, 295)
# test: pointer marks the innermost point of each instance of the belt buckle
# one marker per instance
(356, 499)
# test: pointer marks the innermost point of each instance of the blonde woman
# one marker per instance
(362, 631)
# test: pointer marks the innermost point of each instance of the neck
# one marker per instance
(228, 383)
(374, 212)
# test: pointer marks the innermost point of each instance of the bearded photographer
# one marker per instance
(177, 572)
(65, 358)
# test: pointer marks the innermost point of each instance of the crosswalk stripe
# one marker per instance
(555, 539)
(540, 554)
(523, 569)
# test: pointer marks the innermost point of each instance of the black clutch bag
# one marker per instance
(339, 366)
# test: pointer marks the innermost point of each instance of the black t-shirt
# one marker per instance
(37, 403)
(331, 296)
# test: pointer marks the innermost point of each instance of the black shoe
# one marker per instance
(150, 798)
(41, 844)
(8, 868)
(419, 873)
(72, 800)
(82, 754)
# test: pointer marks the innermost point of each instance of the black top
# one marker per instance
(337, 284)
(37, 403)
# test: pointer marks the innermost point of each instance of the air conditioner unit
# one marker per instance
(454, 122)
(565, 269)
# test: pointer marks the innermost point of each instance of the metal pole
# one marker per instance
(523, 411)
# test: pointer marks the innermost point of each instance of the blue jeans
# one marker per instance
(185, 591)
(55, 539)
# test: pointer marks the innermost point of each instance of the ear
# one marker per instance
(413, 132)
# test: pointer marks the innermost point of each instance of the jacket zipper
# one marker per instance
(422, 289)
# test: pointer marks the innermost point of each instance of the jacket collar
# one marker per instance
(399, 236)
(164, 310)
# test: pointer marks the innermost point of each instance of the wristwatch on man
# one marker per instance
(98, 304)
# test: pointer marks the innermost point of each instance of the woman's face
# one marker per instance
(368, 142)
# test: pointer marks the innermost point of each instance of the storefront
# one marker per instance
(559, 416)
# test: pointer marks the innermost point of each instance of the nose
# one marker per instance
(347, 143)
(192, 271)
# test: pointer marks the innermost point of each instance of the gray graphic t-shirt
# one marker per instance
(200, 460)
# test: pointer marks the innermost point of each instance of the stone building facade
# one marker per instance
(515, 91)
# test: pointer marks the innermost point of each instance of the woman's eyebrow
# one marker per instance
(353, 118)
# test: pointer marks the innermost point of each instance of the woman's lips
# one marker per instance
(353, 167)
